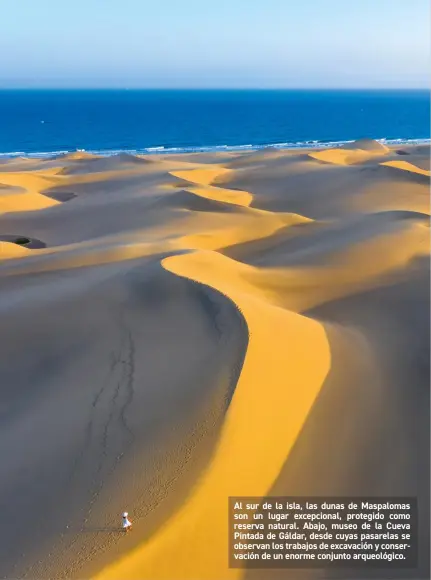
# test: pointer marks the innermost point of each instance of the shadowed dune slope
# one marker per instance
(181, 329)
(90, 164)
(328, 191)
(142, 390)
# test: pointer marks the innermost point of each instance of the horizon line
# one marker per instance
(162, 88)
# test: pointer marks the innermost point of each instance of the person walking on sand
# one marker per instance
(127, 524)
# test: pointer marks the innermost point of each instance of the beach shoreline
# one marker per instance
(161, 150)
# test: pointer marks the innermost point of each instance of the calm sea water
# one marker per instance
(53, 121)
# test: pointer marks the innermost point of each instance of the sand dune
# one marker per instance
(180, 329)
(301, 184)
(407, 166)
(370, 145)
(23, 191)
(90, 164)
(21, 241)
(78, 155)
(351, 153)
(11, 250)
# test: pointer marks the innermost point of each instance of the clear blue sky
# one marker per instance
(215, 43)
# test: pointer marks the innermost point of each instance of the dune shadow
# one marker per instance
(60, 195)
(25, 241)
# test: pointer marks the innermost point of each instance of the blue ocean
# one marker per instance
(49, 122)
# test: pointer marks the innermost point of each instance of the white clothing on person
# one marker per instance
(126, 522)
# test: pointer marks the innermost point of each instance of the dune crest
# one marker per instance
(406, 166)
(352, 153)
(201, 176)
(264, 409)
(10, 250)
(224, 195)
(370, 145)
(94, 164)
(25, 191)
(78, 155)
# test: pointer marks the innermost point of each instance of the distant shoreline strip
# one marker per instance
(162, 150)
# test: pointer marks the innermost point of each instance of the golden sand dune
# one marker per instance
(78, 155)
(246, 324)
(223, 195)
(255, 157)
(407, 166)
(11, 250)
(370, 145)
(263, 412)
(220, 158)
(201, 176)
(89, 164)
(23, 191)
(301, 184)
(202, 179)
(351, 153)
